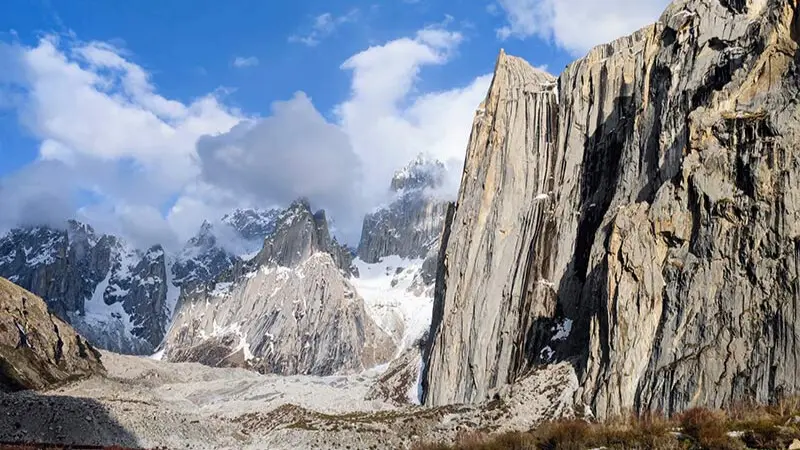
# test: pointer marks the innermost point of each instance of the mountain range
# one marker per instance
(269, 290)
(625, 240)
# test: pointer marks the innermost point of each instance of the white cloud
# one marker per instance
(292, 153)
(241, 62)
(389, 122)
(322, 26)
(117, 154)
(577, 25)
(100, 121)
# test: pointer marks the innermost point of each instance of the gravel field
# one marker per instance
(144, 403)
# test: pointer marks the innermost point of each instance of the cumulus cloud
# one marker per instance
(577, 25)
(129, 161)
(292, 153)
(323, 26)
(241, 62)
(116, 143)
(389, 123)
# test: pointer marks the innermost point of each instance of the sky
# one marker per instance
(146, 118)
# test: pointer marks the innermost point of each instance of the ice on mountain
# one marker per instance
(390, 298)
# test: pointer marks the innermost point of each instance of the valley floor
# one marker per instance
(144, 403)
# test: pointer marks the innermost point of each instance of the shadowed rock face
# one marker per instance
(639, 220)
(37, 349)
(84, 276)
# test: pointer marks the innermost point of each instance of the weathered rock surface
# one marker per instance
(641, 223)
(298, 235)
(505, 192)
(37, 349)
(290, 310)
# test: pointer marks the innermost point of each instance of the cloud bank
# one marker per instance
(130, 161)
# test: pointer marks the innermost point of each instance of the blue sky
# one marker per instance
(115, 97)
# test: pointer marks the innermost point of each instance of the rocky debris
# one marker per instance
(153, 404)
(57, 420)
(399, 384)
(410, 225)
(642, 224)
(113, 294)
(37, 349)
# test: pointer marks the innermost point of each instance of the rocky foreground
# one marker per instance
(143, 403)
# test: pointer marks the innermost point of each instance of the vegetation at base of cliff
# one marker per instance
(742, 427)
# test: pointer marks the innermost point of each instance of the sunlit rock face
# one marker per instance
(288, 310)
(635, 217)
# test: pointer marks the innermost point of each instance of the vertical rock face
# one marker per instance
(37, 349)
(115, 295)
(661, 256)
(298, 235)
(289, 310)
(503, 203)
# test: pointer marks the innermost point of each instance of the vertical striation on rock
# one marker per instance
(662, 259)
(504, 198)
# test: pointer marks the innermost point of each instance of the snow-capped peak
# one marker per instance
(252, 224)
(421, 173)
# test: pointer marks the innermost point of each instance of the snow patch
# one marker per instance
(415, 392)
(236, 330)
(547, 354)
(386, 288)
(562, 329)
(98, 313)
(173, 293)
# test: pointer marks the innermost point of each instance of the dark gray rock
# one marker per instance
(410, 226)
(75, 268)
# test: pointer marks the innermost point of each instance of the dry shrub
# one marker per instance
(708, 429)
(481, 441)
(650, 431)
(564, 435)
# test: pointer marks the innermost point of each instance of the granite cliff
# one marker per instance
(117, 296)
(636, 217)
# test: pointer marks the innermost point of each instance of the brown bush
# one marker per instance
(481, 441)
(564, 435)
(707, 429)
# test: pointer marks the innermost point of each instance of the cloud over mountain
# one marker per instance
(127, 154)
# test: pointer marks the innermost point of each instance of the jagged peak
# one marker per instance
(301, 203)
(422, 172)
